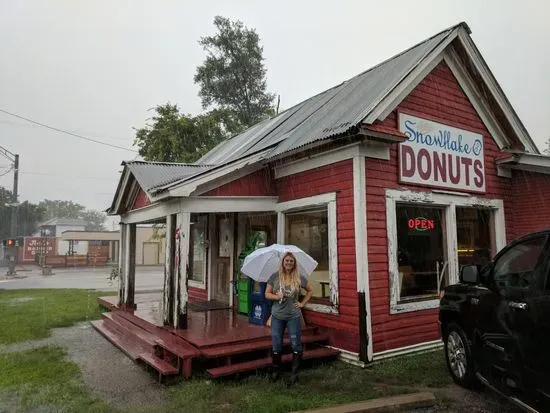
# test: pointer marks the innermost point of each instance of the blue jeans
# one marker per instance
(294, 330)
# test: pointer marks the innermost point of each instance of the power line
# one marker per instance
(91, 134)
(66, 132)
(69, 176)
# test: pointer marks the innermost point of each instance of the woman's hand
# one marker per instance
(279, 295)
(299, 304)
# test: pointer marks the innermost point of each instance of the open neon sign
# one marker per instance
(421, 224)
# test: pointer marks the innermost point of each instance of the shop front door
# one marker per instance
(221, 259)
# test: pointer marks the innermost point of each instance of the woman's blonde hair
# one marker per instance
(292, 279)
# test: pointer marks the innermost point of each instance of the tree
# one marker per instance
(547, 149)
(61, 209)
(175, 137)
(95, 220)
(68, 209)
(28, 215)
(232, 79)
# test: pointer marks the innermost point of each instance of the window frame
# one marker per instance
(202, 284)
(449, 201)
(327, 200)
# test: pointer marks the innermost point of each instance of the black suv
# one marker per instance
(495, 323)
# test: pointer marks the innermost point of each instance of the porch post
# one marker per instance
(122, 264)
(131, 290)
(182, 253)
(169, 272)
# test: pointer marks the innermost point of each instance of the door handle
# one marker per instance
(519, 306)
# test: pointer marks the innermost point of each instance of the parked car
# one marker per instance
(495, 324)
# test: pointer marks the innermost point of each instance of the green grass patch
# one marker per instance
(321, 386)
(30, 314)
(44, 378)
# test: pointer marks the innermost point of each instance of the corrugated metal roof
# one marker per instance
(330, 113)
(152, 174)
(76, 222)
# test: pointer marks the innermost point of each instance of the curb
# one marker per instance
(384, 404)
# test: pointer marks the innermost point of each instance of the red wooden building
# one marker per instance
(392, 180)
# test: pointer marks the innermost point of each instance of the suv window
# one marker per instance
(516, 267)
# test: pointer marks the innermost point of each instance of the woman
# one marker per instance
(283, 288)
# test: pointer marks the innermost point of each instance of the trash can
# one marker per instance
(260, 307)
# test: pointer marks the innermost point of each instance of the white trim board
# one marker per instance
(361, 257)
(204, 204)
(329, 200)
(376, 150)
(449, 202)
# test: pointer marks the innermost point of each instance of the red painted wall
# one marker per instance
(259, 183)
(438, 97)
(142, 200)
(336, 177)
(534, 189)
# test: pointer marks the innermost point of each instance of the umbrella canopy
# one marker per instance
(263, 262)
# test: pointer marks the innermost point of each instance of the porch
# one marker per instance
(220, 342)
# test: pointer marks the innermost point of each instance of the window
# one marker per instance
(473, 236)
(421, 256)
(308, 230)
(197, 249)
(310, 224)
(516, 267)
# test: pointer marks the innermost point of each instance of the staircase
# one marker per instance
(171, 355)
(143, 342)
(248, 356)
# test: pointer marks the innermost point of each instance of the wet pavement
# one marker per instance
(148, 278)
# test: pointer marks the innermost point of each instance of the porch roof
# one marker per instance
(526, 162)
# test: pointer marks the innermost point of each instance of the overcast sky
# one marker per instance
(95, 67)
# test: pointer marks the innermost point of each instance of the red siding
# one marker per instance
(259, 183)
(198, 294)
(142, 200)
(438, 97)
(337, 177)
(534, 189)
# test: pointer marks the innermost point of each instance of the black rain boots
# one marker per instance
(276, 366)
(296, 359)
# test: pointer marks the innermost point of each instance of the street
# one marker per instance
(148, 278)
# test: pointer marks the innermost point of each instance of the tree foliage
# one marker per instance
(95, 220)
(28, 215)
(546, 150)
(232, 79)
(175, 137)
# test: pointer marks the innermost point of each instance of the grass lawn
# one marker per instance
(30, 314)
(322, 386)
(44, 380)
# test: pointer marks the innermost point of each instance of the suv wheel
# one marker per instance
(459, 357)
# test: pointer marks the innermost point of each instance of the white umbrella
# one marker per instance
(263, 262)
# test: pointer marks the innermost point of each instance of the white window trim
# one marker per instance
(449, 202)
(201, 284)
(328, 200)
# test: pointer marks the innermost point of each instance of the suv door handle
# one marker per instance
(519, 306)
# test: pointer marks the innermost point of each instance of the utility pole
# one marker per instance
(15, 166)
(15, 189)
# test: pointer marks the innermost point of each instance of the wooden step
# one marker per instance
(233, 349)
(178, 347)
(253, 365)
(128, 346)
(162, 367)
(131, 328)
(145, 325)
